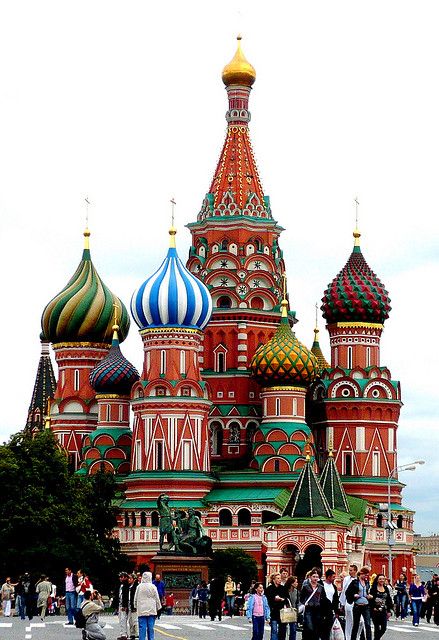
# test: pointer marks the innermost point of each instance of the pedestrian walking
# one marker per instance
(203, 597)
(91, 607)
(293, 596)
(7, 591)
(71, 582)
(20, 603)
(133, 628)
(216, 594)
(277, 597)
(229, 591)
(121, 604)
(84, 584)
(358, 594)
(330, 609)
(193, 600)
(147, 603)
(29, 596)
(43, 589)
(381, 605)
(314, 605)
(161, 588)
(348, 607)
(401, 596)
(258, 611)
(416, 594)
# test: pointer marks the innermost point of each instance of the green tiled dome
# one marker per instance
(284, 360)
(84, 309)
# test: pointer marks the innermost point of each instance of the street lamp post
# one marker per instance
(390, 527)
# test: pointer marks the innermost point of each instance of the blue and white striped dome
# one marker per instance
(172, 296)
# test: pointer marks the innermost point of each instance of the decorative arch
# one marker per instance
(244, 517)
(101, 465)
(225, 517)
(276, 465)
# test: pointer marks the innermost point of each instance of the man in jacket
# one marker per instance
(161, 589)
(358, 594)
(121, 605)
(332, 602)
(147, 603)
(71, 582)
(132, 614)
(91, 607)
(348, 608)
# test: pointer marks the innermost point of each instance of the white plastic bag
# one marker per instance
(336, 631)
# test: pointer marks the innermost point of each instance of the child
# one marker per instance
(169, 603)
(258, 611)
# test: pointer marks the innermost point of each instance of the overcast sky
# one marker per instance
(123, 102)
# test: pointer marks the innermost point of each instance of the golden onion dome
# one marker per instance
(239, 70)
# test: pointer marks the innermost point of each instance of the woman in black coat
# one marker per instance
(381, 605)
(313, 596)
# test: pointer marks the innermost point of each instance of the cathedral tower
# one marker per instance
(235, 252)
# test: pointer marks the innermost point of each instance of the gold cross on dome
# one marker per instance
(173, 203)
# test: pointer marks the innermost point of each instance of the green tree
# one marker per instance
(49, 518)
(235, 562)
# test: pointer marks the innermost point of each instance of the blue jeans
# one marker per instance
(146, 626)
(258, 627)
(358, 612)
(71, 605)
(80, 600)
(402, 601)
(230, 603)
(278, 630)
(416, 610)
(20, 604)
(293, 629)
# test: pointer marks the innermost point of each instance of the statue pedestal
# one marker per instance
(180, 574)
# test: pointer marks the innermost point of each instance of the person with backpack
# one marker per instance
(91, 607)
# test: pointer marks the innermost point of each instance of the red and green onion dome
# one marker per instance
(114, 374)
(284, 360)
(356, 294)
(84, 310)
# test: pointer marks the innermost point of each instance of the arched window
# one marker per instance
(182, 361)
(379, 520)
(162, 362)
(143, 519)
(349, 362)
(269, 516)
(76, 380)
(235, 433)
(347, 459)
(399, 522)
(225, 518)
(250, 433)
(133, 519)
(244, 517)
(216, 438)
(221, 362)
(276, 465)
(277, 407)
(155, 519)
(367, 356)
(224, 302)
(224, 245)
(294, 406)
(127, 519)
(257, 303)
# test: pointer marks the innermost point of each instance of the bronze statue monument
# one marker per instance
(184, 532)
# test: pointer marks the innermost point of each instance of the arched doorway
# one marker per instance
(311, 558)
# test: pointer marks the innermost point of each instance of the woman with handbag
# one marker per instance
(293, 596)
(258, 611)
(313, 603)
(277, 596)
(381, 605)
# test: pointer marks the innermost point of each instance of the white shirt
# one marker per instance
(329, 590)
(346, 582)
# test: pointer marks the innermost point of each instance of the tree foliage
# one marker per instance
(50, 519)
(235, 562)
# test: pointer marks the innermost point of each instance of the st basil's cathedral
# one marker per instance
(279, 451)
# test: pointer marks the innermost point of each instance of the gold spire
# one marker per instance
(356, 233)
(115, 326)
(284, 303)
(316, 328)
(239, 71)
(86, 232)
(172, 230)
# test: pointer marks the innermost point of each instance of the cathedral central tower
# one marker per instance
(235, 252)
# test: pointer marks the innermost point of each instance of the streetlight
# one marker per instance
(390, 526)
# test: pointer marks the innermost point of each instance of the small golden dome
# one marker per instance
(239, 70)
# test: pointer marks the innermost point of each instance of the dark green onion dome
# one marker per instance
(84, 310)
(356, 294)
(284, 360)
(114, 374)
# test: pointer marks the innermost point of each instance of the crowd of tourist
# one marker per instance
(324, 607)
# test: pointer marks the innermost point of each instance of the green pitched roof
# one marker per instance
(270, 495)
(307, 499)
(332, 486)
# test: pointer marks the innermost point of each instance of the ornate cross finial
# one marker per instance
(331, 446)
(284, 287)
(317, 314)
(173, 203)
(356, 211)
(87, 204)
(116, 309)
